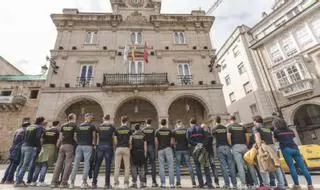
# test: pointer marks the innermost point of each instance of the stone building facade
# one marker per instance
(98, 74)
(19, 99)
(286, 48)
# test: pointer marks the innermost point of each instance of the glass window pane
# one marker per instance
(140, 67)
(88, 38)
(83, 72)
(180, 69)
(89, 74)
(181, 38)
(176, 37)
(132, 68)
(139, 37)
(133, 37)
(186, 69)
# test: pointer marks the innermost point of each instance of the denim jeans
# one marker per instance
(40, 170)
(199, 173)
(166, 154)
(151, 158)
(290, 154)
(28, 155)
(82, 151)
(226, 161)
(103, 152)
(11, 169)
(238, 150)
(213, 168)
(179, 155)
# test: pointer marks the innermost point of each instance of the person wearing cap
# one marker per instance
(86, 140)
(139, 149)
(182, 152)
(15, 153)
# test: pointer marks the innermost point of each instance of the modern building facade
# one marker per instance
(286, 48)
(19, 99)
(102, 67)
(242, 87)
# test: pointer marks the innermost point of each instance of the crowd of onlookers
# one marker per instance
(255, 157)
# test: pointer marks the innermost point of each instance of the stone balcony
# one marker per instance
(298, 88)
(12, 103)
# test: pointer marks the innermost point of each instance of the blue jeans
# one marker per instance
(290, 154)
(11, 169)
(166, 154)
(40, 169)
(199, 173)
(238, 150)
(28, 154)
(151, 158)
(226, 161)
(82, 151)
(185, 154)
(213, 168)
(103, 152)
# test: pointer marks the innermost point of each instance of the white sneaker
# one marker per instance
(33, 184)
(42, 184)
(242, 187)
(126, 186)
(84, 186)
(71, 186)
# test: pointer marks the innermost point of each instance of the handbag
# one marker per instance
(250, 156)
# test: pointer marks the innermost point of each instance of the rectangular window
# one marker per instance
(179, 38)
(6, 93)
(86, 75)
(34, 94)
(288, 46)
(136, 37)
(282, 78)
(184, 72)
(315, 25)
(91, 37)
(136, 67)
(304, 38)
(228, 80)
(294, 74)
(236, 51)
(247, 87)
(275, 53)
(241, 69)
(232, 97)
(254, 109)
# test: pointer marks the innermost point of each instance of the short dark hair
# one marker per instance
(71, 116)
(137, 127)
(218, 119)
(148, 121)
(193, 121)
(163, 122)
(106, 117)
(39, 120)
(258, 119)
(55, 123)
(124, 119)
(233, 118)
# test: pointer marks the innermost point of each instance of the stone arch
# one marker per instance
(185, 106)
(60, 112)
(296, 107)
(137, 108)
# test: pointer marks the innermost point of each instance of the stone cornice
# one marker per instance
(64, 54)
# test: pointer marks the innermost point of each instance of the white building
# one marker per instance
(243, 90)
(286, 49)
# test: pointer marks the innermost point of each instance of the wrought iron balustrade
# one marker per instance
(84, 81)
(135, 79)
(185, 79)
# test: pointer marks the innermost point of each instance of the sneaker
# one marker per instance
(33, 184)
(9, 182)
(71, 186)
(22, 184)
(42, 184)
(154, 185)
(116, 185)
(310, 187)
(210, 187)
(84, 186)
(217, 185)
(200, 186)
(178, 185)
(162, 186)
(143, 185)
(296, 187)
(94, 186)
(172, 186)
(64, 185)
(242, 187)
(108, 186)
(194, 186)
(53, 185)
(134, 186)
(2, 181)
(126, 185)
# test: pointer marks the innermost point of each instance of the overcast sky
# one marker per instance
(28, 34)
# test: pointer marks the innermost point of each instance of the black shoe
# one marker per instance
(94, 186)
(142, 185)
(200, 186)
(108, 186)
(134, 186)
(178, 185)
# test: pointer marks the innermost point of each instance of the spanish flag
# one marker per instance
(133, 53)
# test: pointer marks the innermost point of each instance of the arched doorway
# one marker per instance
(184, 108)
(83, 106)
(307, 121)
(138, 110)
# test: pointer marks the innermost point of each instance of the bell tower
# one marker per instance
(151, 7)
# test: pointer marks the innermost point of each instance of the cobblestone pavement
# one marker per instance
(185, 181)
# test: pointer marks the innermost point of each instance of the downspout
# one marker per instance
(269, 84)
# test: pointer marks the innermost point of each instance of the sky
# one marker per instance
(27, 33)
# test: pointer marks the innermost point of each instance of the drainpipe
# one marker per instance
(269, 84)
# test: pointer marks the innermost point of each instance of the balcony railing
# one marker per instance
(84, 81)
(135, 79)
(185, 79)
(297, 88)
